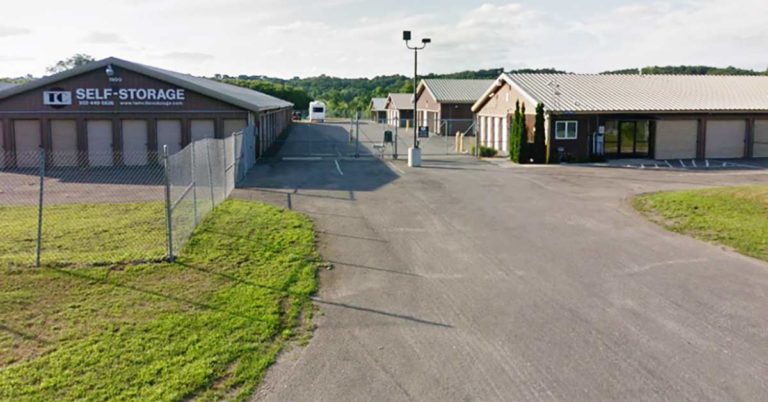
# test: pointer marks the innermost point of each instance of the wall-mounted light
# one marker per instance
(110, 71)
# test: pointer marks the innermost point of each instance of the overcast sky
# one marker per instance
(361, 38)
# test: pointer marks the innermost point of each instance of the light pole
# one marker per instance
(414, 153)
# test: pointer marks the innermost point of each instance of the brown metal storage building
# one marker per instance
(115, 112)
(445, 105)
(637, 116)
(399, 109)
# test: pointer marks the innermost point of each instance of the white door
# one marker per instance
(676, 139)
(99, 142)
(760, 149)
(725, 138)
(168, 133)
(202, 129)
(64, 143)
(28, 140)
(135, 138)
(234, 125)
(504, 135)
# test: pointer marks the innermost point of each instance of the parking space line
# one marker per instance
(393, 166)
(336, 161)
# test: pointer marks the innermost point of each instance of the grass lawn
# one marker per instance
(205, 327)
(736, 217)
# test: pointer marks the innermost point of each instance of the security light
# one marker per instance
(110, 71)
(426, 40)
(406, 35)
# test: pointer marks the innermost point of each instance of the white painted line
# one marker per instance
(707, 163)
(642, 166)
(693, 161)
(725, 164)
(656, 165)
(302, 158)
(336, 161)
(393, 166)
(669, 164)
(682, 164)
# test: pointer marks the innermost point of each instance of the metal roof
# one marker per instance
(6, 85)
(378, 104)
(243, 97)
(400, 101)
(643, 93)
(455, 91)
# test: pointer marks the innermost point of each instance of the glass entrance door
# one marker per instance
(633, 139)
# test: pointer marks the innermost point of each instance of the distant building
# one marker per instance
(399, 109)
(633, 116)
(445, 105)
(378, 109)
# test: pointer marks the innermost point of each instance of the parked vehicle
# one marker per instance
(317, 112)
(296, 115)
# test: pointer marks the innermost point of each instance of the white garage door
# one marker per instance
(202, 129)
(676, 139)
(64, 142)
(725, 138)
(135, 137)
(169, 133)
(27, 136)
(761, 139)
(99, 142)
(233, 126)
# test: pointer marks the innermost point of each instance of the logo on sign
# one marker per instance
(57, 98)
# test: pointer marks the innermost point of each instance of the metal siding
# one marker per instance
(760, 148)
(169, 133)
(64, 143)
(234, 125)
(676, 139)
(725, 138)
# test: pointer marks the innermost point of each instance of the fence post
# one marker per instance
(396, 135)
(168, 207)
(39, 245)
(225, 164)
(210, 170)
(357, 134)
(194, 183)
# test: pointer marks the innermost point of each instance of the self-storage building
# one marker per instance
(633, 116)
(445, 105)
(399, 109)
(118, 113)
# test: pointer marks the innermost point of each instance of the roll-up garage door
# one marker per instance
(27, 137)
(761, 139)
(135, 138)
(169, 133)
(99, 142)
(233, 126)
(725, 138)
(202, 129)
(676, 139)
(64, 142)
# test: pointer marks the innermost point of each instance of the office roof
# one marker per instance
(245, 98)
(455, 91)
(642, 93)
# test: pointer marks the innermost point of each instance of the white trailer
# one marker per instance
(316, 112)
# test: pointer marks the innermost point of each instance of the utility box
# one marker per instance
(388, 139)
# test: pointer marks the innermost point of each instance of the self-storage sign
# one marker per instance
(116, 96)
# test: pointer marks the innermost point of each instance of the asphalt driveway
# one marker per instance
(469, 280)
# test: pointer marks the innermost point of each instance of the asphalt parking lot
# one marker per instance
(472, 280)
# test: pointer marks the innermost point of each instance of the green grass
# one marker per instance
(205, 327)
(736, 217)
(83, 234)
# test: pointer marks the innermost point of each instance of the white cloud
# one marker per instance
(362, 38)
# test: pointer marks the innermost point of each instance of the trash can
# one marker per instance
(388, 137)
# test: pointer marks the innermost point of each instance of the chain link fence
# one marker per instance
(77, 208)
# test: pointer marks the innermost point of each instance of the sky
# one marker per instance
(362, 38)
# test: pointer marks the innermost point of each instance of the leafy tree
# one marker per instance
(539, 139)
(515, 137)
(79, 59)
(407, 88)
